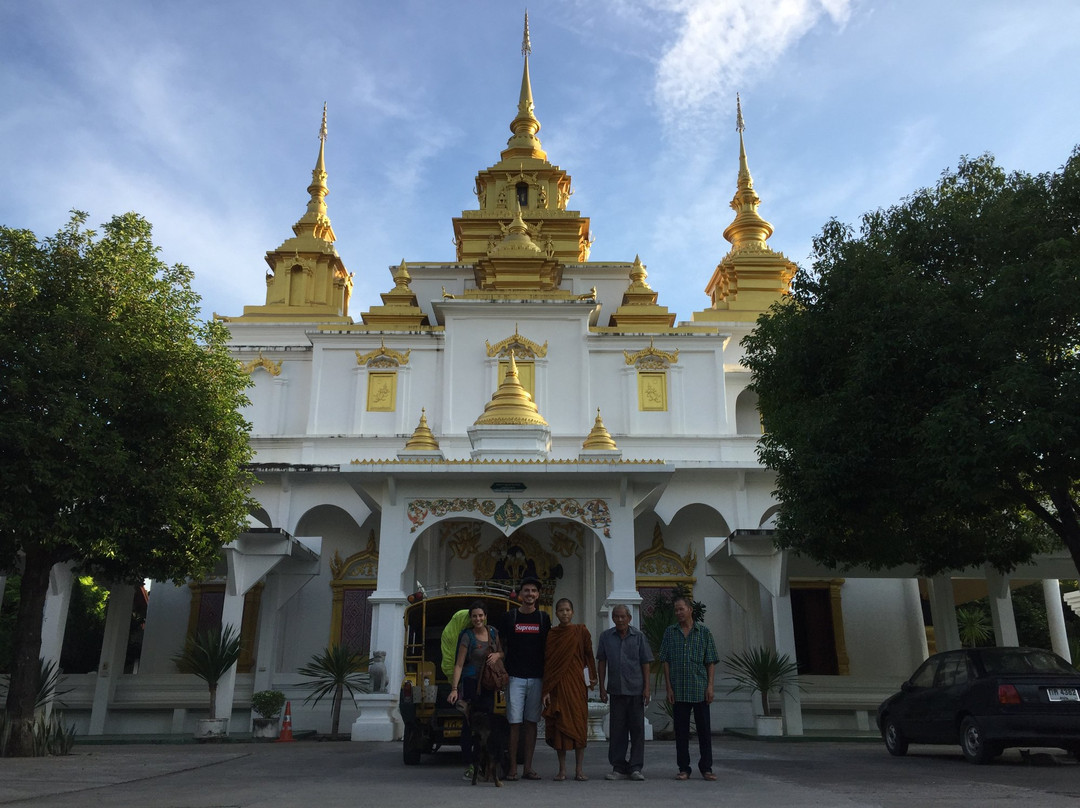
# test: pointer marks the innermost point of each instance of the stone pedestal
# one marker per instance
(598, 711)
(378, 719)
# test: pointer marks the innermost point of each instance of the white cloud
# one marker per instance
(719, 45)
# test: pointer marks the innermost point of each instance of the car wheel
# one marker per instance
(895, 741)
(976, 748)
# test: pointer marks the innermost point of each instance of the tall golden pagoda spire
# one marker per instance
(524, 142)
(523, 173)
(511, 403)
(752, 276)
(748, 229)
(307, 280)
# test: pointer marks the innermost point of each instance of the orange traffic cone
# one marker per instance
(286, 725)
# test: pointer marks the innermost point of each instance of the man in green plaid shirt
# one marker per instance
(689, 656)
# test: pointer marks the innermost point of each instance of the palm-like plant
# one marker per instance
(974, 626)
(761, 670)
(209, 655)
(332, 672)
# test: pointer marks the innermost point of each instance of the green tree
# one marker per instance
(920, 390)
(124, 450)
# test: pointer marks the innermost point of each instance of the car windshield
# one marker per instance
(1024, 661)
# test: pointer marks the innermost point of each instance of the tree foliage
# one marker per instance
(123, 445)
(920, 390)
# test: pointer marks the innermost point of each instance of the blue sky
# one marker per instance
(204, 118)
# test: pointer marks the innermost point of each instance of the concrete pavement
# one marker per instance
(308, 773)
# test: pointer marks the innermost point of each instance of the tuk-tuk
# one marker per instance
(429, 720)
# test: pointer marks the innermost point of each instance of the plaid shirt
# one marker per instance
(688, 658)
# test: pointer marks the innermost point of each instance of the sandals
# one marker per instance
(581, 778)
(558, 778)
(531, 776)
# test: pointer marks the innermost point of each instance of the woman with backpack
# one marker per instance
(477, 644)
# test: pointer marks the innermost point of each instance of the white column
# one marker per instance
(378, 719)
(943, 612)
(784, 630)
(232, 614)
(54, 618)
(913, 604)
(1055, 618)
(1001, 610)
(113, 653)
(267, 635)
(620, 560)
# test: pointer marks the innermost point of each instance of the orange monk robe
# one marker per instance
(567, 653)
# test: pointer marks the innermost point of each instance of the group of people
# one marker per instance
(552, 669)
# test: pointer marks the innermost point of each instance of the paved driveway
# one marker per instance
(310, 774)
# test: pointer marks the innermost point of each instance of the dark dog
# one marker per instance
(491, 745)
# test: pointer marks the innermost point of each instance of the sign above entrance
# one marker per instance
(505, 488)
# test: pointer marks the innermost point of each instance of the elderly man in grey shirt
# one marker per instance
(623, 659)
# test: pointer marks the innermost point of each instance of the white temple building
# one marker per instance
(517, 410)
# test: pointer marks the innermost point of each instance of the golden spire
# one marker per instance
(400, 308)
(748, 230)
(599, 439)
(308, 281)
(511, 403)
(517, 241)
(752, 276)
(402, 278)
(524, 142)
(639, 310)
(317, 204)
(422, 439)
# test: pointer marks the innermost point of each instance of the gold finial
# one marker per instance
(511, 403)
(316, 209)
(524, 142)
(401, 276)
(749, 230)
(599, 439)
(422, 439)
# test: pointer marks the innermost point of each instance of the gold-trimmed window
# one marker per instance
(207, 603)
(659, 570)
(652, 391)
(382, 392)
(818, 622)
(353, 581)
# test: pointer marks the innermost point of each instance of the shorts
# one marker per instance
(523, 698)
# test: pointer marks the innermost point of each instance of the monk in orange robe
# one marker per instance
(567, 654)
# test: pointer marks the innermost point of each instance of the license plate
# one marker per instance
(1062, 694)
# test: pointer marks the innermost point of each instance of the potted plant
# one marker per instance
(332, 672)
(761, 670)
(268, 705)
(209, 655)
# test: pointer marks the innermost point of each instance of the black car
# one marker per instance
(986, 699)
